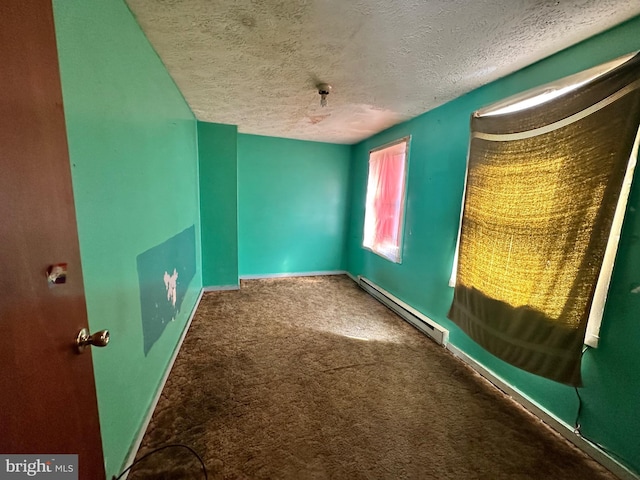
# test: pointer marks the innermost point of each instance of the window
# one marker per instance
(547, 181)
(383, 219)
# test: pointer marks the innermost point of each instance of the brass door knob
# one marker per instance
(98, 339)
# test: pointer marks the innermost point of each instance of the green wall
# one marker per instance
(132, 143)
(134, 151)
(435, 183)
(218, 160)
(292, 205)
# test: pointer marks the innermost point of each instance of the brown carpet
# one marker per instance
(311, 378)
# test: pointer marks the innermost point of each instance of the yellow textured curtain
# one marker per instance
(542, 188)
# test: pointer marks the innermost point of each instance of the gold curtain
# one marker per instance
(542, 189)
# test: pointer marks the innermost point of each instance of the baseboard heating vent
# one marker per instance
(421, 322)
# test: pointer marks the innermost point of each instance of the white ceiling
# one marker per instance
(255, 63)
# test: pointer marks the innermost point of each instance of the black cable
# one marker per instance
(204, 469)
(577, 425)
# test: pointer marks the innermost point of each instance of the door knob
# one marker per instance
(98, 339)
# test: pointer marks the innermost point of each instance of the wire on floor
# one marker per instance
(173, 445)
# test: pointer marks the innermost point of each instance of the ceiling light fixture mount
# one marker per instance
(324, 89)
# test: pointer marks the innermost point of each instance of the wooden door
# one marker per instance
(47, 391)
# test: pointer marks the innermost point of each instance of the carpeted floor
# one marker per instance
(311, 378)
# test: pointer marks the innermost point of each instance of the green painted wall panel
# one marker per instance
(435, 183)
(133, 149)
(292, 205)
(218, 160)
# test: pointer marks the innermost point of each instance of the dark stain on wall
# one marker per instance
(164, 273)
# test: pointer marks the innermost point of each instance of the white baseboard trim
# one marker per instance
(543, 414)
(295, 274)
(352, 277)
(133, 451)
(547, 417)
(417, 319)
(220, 288)
(550, 419)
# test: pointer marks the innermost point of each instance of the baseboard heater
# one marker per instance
(421, 322)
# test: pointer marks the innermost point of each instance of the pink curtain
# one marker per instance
(385, 199)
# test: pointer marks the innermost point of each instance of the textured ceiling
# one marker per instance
(255, 63)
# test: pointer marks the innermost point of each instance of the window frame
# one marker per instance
(553, 90)
(401, 221)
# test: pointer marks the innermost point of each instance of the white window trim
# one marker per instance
(407, 141)
(592, 336)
